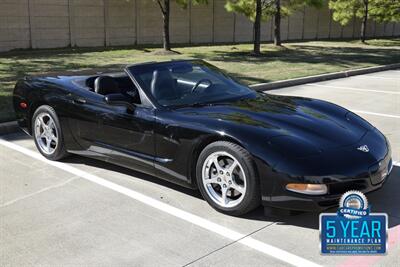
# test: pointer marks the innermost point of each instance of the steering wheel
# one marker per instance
(200, 82)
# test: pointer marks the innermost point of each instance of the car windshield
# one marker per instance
(187, 83)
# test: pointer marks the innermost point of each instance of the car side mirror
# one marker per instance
(119, 100)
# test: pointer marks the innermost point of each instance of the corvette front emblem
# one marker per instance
(363, 148)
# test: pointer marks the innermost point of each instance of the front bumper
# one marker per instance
(284, 199)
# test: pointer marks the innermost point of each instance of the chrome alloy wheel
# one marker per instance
(46, 134)
(224, 179)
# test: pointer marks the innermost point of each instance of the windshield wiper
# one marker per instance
(200, 104)
(196, 104)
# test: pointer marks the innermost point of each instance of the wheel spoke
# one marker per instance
(54, 138)
(216, 164)
(51, 124)
(233, 167)
(48, 145)
(41, 121)
(238, 188)
(224, 196)
(212, 180)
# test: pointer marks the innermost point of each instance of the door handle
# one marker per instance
(79, 100)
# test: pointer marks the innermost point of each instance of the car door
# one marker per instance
(127, 135)
(83, 107)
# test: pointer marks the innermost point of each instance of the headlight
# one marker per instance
(308, 189)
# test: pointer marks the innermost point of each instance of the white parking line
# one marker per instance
(376, 114)
(354, 89)
(267, 249)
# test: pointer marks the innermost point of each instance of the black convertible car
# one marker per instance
(189, 123)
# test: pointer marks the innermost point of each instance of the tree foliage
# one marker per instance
(269, 8)
(377, 10)
(385, 10)
(345, 10)
(185, 3)
(248, 7)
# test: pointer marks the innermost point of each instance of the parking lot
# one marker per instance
(85, 212)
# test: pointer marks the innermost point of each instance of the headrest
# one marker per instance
(162, 84)
(105, 85)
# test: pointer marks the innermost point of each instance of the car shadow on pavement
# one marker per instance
(75, 159)
(384, 200)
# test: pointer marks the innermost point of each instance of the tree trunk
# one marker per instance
(257, 29)
(166, 12)
(364, 22)
(277, 23)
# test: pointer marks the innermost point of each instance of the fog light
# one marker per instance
(308, 189)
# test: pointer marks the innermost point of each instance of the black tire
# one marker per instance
(59, 152)
(252, 196)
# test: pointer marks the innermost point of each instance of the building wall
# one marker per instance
(82, 23)
(14, 24)
(120, 22)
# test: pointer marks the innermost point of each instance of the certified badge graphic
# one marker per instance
(353, 229)
(353, 205)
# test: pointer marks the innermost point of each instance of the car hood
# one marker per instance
(285, 121)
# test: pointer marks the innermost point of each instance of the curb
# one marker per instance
(321, 77)
(8, 127)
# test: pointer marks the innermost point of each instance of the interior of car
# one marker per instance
(176, 85)
(114, 84)
(161, 83)
(172, 84)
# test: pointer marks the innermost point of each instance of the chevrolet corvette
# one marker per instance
(192, 124)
